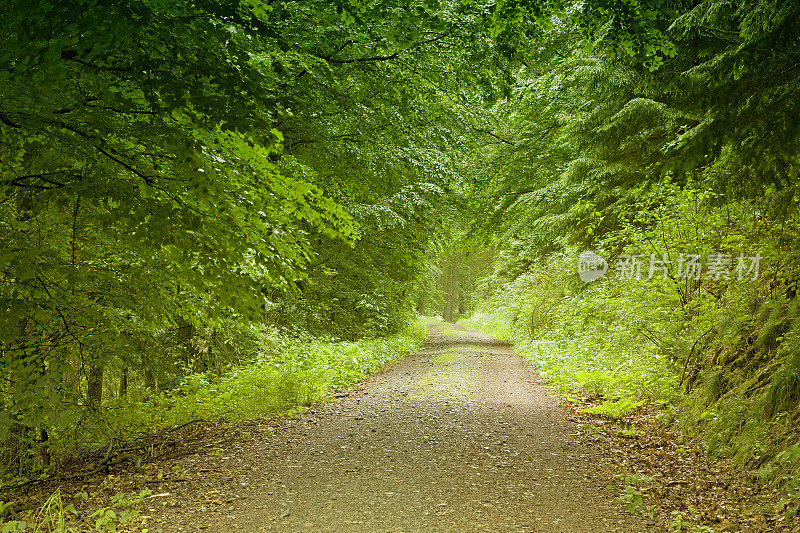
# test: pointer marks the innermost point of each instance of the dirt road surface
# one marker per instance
(458, 437)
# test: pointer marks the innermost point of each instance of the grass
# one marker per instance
(445, 378)
(282, 382)
(447, 357)
(51, 516)
(587, 342)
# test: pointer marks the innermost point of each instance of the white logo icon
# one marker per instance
(591, 266)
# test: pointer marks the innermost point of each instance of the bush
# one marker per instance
(588, 339)
(288, 375)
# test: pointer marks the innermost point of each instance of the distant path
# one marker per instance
(457, 437)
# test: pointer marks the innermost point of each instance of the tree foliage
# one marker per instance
(180, 178)
(671, 130)
(175, 177)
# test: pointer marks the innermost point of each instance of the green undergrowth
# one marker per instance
(56, 516)
(745, 387)
(290, 374)
(615, 408)
(287, 373)
(583, 339)
(719, 358)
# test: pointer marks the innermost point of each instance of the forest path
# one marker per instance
(457, 437)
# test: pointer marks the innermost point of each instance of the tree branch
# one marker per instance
(492, 134)
(8, 122)
(147, 179)
(363, 59)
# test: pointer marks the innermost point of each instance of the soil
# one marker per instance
(460, 436)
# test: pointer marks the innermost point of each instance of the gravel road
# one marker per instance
(458, 437)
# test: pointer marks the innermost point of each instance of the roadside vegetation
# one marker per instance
(226, 210)
(289, 373)
(687, 160)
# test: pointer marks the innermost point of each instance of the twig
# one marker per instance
(176, 428)
(688, 357)
(649, 334)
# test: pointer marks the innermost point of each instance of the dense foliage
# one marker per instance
(178, 177)
(690, 150)
(207, 199)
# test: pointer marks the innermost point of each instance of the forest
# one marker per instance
(224, 210)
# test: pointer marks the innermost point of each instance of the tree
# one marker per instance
(138, 189)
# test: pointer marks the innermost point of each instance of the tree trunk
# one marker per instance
(95, 384)
(44, 447)
(149, 380)
(123, 384)
(450, 289)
